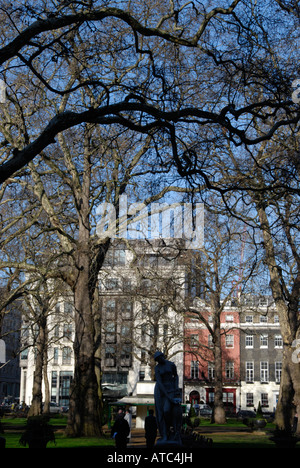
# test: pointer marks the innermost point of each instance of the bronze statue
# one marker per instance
(167, 400)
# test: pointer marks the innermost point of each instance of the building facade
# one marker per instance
(9, 349)
(60, 358)
(142, 297)
(261, 358)
(145, 294)
(199, 368)
(251, 346)
(141, 300)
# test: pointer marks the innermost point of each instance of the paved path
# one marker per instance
(137, 438)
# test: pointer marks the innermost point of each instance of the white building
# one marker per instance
(261, 348)
(60, 363)
(142, 291)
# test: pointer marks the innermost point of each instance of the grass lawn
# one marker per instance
(13, 428)
(247, 440)
(232, 435)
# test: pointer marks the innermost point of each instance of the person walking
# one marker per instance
(120, 431)
(150, 430)
(128, 418)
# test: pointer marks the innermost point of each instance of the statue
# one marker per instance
(167, 396)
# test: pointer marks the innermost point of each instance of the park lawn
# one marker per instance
(242, 440)
(12, 441)
(13, 428)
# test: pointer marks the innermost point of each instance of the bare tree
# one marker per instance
(221, 272)
(167, 47)
(93, 69)
(274, 218)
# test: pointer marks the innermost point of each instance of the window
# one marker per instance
(194, 341)
(143, 357)
(264, 399)
(228, 398)
(278, 369)
(66, 355)
(229, 370)
(67, 330)
(264, 372)
(126, 355)
(115, 257)
(194, 369)
(211, 371)
(110, 356)
(53, 385)
(126, 310)
(249, 399)
(143, 333)
(24, 354)
(111, 309)
(111, 283)
(229, 318)
(276, 319)
(127, 284)
(210, 341)
(249, 341)
(65, 380)
(165, 332)
(55, 356)
(263, 319)
(152, 260)
(249, 372)
(249, 319)
(110, 332)
(119, 378)
(278, 343)
(229, 340)
(125, 332)
(264, 341)
(56, 331)
(68, 308)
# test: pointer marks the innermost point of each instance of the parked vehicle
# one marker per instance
(205, 410)
(245, 414)
(64, 409)
(55, 408)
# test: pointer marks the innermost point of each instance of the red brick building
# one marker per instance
(199, 365)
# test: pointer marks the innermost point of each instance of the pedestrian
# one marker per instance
(128, 418)
(150, 429)
(120, 431)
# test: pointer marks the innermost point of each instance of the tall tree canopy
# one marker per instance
(192, 87)
(193, 73)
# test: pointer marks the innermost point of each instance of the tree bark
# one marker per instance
(37, 396)
(85, 405)
(218, 410)
(84, 413)
(47, 397)
(287, 308)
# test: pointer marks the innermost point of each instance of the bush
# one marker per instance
(38, 432)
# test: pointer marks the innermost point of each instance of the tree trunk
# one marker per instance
(37, 396)
(289, 396)
(283, 414)
(287, 308)
(97, 314)
(218, 410)
(85, 407)
(84, 413)
(46, 408)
